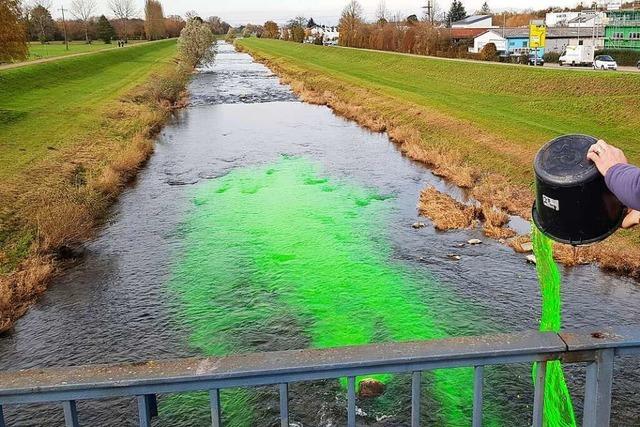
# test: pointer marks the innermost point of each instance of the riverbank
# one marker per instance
(477, 125)
(72, 134)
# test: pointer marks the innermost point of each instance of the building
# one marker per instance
(584, 19)
(475, 21)
(622, 30)
(330, 34)
(464, 35)
(515, 41)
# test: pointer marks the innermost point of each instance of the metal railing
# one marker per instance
(146, 380)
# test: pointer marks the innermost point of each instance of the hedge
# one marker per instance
(622, 56)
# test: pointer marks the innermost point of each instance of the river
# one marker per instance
(263, 223)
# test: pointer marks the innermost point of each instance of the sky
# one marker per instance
(323, 11)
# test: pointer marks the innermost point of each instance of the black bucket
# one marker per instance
(573, 204)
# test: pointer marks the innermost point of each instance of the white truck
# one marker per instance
(577, 55)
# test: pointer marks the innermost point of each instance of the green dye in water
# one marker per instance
(558, 408)
(281, 242)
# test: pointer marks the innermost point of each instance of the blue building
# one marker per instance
(508, 41)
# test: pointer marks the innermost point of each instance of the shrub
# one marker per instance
(489, 52)
(622, 56)
(231, 35)
(551, 57)
(194, 44)
(169, 86)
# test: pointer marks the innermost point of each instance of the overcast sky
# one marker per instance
(323, 11)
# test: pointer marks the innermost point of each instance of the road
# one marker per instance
(556, 66)
(504, 64)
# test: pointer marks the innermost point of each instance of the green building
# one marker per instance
(622, 30)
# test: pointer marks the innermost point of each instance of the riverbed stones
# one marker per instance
(474, 241)
(371, 388)
(527, 247)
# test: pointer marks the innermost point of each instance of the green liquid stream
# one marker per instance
(558, 408)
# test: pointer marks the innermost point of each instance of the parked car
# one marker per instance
(577, 55)
(532, 60)
(604, 62)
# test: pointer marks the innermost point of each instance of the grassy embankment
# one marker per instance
(478, 125)
(72, 132)
(54, 49)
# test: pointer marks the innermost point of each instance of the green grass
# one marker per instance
(49, 105)
(525, 105)
(54, 49)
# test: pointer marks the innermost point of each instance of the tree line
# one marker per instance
(22, 22)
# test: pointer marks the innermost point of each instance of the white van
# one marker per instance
(577, 55)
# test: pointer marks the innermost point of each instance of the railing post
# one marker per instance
(416, 384)
(214, 396)
(153, 405)
(538, 394)
(70, 413)
(144, 411)
(2, 424)
(597, 395)
(351, 402)
(284, 405)
(478, 388)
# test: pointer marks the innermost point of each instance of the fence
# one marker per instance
(146, 380)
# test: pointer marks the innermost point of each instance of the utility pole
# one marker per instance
(429, 8)
(64, 29)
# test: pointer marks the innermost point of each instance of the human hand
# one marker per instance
(631, 219)
(605, 156)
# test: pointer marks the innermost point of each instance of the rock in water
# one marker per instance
(474, 241)
(531, 259)
(418, 225)
(371, 388)
(527, 247)
(454, 257)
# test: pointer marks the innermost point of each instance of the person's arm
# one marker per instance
(624, 181)
(621, 178)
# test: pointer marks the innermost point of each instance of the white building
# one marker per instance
(475, 21)
(329, 34)
(584, 19)
(489, 37)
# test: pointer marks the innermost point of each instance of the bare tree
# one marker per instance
(83, 10)
(123, 10)
(382, 13)
(350, 20)
(12, 32)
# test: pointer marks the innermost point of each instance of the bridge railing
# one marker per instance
(146, 380)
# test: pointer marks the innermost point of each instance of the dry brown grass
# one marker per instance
(570, 255)
(22, 287)
(517, 243)
(445, 212)
(61, 199)
(495, 221)
(63, 223)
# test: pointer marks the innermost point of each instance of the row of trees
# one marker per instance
(408, 35)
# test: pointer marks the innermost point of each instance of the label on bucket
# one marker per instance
(551, 203)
